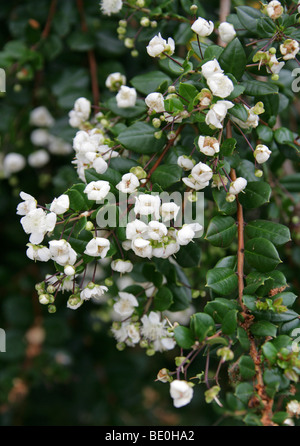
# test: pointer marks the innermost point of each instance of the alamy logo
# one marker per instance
(2, 341)
(2, 81)
(296, 82)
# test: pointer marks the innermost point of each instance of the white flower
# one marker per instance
(156, 230)
(289, 49)
(293, 408)
(274, 66)
(38, 223)
(274, 9)
(185, 162)
(97, 190)
(210, 68)
(74, 302)
(97, 247)
(80, 113)
(62, 252)
(13, 163)
(208, 145)
(202, 27)
(38, 252)
(202, 173)
(185, 235)
(220, 85)
(136, 228)
(38, 158)
(237, 186)
(155, 331)
(252, 120)
(227, 32)
(181, 392)
(60, 205)
(39, 137)
(126, 332)
(82, 107)
(146, 204)
(114, 81)
(262, 153)
(93, 291)
(169, 211)
(109, 7)
(41, 117)
(125, 305)
(129, 183)
(155, 101)
(121, 266)
(141, 247)
(170, 248)
(29, 204)
(126, 97)
(217, 113)
(158, 45)
(192, 183)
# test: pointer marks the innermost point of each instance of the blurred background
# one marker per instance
(64, 368)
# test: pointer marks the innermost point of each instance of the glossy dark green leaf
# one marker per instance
(229, 322)
(222, 280)
(270, 352)
(233, 59)
(261, 254)
(78, 199)
(255, 195)
(221, 231)
(202, 325)
(166, 175)
(248, 17)
(184, 337)
(223, 206)
(244, 392)
(275, 232)
(259, 88)
(188, 256)
(247, 367)
(128, 112)
(149, 82)
(139, 137)
(163, 299)
(263, 328)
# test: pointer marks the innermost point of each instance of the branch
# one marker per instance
(91, 57)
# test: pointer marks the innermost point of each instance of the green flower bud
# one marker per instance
(139, 172)
(51, 289)
(145, 21)
(52, 308)
(275, 77)
(156, 122)
(108, 281)
(121, 30)
(194, 9)
(134, 53)
(171, 89)
(150, 352)
(158, 135)
(120, 346)
(140, 3)
(44, 299)
(129, 43)
(211, 393)
(89, 226)
(123, 23)
(153, 24)
(258, 173)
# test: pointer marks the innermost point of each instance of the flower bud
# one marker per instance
(150, 352)
(129, 43)
(140, 3)
(139, 172)
(44, 299)
(145, 21)
(230, 198)
(156, 122)
(153, 24)
(194, 9)
(108, 281)
(52, 308)
(121, 30)
(158, 135)
(123, 23)
(69, 270)
(134, 53)
(120, 346)
(258, 173)
(51, 289)
(275, 77)
(262, 153)
(89, 226)
(171, 89)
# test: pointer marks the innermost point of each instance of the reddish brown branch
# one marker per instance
(51, 13)
(91, 57)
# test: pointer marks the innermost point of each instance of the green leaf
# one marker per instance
(167, 174)
(152, 275)
(247, 367)
(259, 88)
(243, 392)
(163, 299)
(239, 111)
(233, 59)
(189, 92)
(261, 254)
(224, 207)
(243, 338)
(79, 41)
(250, 302)
(181, 297)
(150, 82)
(263, 328)
(222, 280)
(255, 195)
(283, 135)
(288, 298)
(266, 27)
(229, 322)
(246, 169)
(248, 16)
(174, 68)
(213, 52)
(221, 231)
(228, 146)
(227, 262)
(264, 133)
(275, 232)
(189, 256)
(184, 337)
(139, 138)
(202, 325)
(253, 281)
(270, 352)
(78, 199)
(218, 308)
